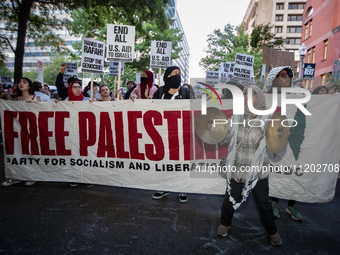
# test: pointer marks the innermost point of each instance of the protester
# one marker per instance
(105, 93)
(247, 148)
(282, 77)
(191, 90)
(320, 90)
(87, 91)
(74, 91)
(298, 83)
(171, 90)
(226, 93)
(38, 91)
(146, 88)
(46, 90)
(2, 94)
(62, 89)
(25, 93)
(131, 86)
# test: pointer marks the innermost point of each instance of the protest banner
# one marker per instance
(155, 147)
(113, 69)
(243, 66)
(70, 71)
(308, 71)
(160, 55)
(92, 57)
(41, 72)
(120, 43)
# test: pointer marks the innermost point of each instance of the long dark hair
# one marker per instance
(191, 89)
(317, 89)
(30, 85)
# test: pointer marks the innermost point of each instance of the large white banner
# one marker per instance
(92, 57)
(152, 144)
(160, 55)
(120, 43)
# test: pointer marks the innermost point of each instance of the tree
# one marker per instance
(223, 45)
(37, 20)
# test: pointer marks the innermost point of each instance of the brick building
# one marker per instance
(321, 35)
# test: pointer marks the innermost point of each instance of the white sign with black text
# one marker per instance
(120, 43)
(113, 69)
(92, 58)
(243, 66)
(160, 55)
(70, 71)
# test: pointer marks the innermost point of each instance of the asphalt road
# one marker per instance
(54, 218)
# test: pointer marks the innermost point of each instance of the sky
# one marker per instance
(199, 20)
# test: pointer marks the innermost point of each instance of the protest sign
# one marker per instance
(120, 43)
(41, 72)
(231, 70)
(243, 66)
(224, 71)
(308, 71)
(113, 69)
(212, 77)
(275, 58)
(70, 71)
(92, 57)
(160, 55)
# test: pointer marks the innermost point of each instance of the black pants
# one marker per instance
(261, 196)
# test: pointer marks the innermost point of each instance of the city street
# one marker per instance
(54, 218)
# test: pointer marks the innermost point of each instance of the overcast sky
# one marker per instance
(199, 20)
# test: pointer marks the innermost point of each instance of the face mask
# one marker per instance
(174, 81)
(143, 80)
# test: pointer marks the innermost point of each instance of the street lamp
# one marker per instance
(302, 52)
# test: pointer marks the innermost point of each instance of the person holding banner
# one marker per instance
(282, 77)
(146, 88)
(247, 150)
(74, 91)
(25, 93)
(171, 90)
(131, 86)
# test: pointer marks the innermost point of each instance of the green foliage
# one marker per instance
(4, 71)
(223, 46)
(262, 36)
(52, 70)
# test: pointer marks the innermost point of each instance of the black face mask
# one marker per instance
(143, 80)
(174, 81)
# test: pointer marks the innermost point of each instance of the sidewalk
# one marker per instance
(54, 218)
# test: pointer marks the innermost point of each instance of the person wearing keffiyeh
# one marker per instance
(247, 150)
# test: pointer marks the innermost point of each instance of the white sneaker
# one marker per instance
(9, 182)
(30, 183)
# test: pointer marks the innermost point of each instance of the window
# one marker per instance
(294, 29)
(294, 41)
(323, 79)
(279, 18)
(36, 54)
(306, 31)
(325, 49)
(279, 6)
(310, 11)
(278, 29)
(296, 6)
(310, 27)
(294, 17)
(309, 53)
(313, 59)
(28, 54)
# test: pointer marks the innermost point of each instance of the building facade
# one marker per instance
(321, 35)
(183, 61)
(286, 16)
